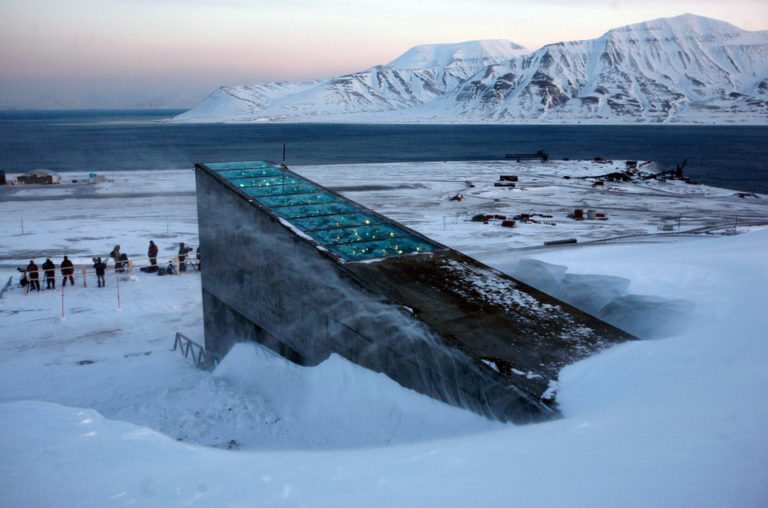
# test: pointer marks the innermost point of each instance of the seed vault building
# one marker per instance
(307, 272)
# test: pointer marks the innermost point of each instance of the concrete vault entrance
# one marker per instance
(307, 273)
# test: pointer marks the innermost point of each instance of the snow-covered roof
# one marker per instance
(43, 172)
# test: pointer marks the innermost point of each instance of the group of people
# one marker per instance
(183, 254)
(31, 275)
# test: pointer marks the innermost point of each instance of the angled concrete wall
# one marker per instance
(265, 281)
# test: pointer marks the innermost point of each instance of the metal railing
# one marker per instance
(121, 266)
(189, 347)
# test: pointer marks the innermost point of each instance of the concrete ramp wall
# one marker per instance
(432, 319)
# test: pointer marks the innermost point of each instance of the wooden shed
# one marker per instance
(39, 176)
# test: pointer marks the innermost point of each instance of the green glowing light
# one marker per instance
(345, 228)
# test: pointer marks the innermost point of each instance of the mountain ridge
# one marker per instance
(685, 69)
(483, 52)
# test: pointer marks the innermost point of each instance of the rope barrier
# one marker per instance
(81, 271)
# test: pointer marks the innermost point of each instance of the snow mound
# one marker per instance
(115, 463)
(258, 400)
(338, 403)
(608, 298)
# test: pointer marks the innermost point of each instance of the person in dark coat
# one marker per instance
(197, 255)
(50, 274)
(152, 253)
(67, 269)
(100, 267)
(183, 251)
(33, 276)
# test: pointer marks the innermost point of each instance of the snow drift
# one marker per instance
(679, 421)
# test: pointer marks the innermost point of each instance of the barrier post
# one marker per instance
(176, 264)
(130, 266)
(85, 282)
(62, 300)
(117, 278)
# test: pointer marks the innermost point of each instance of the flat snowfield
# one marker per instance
(96, 409)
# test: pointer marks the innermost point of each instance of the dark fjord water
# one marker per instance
(96, 141)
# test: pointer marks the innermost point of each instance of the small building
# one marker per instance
(39, 176)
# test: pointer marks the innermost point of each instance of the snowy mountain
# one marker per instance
(472, 56)
(419, 76)
(686, 69)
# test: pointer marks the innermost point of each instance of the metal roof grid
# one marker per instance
(344, 227)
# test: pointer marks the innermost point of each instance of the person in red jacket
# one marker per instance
(33, 276)
(152, 254)
(67, 269)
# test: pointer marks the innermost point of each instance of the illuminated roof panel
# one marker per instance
(295, 212)
(265, 181)
(383, 248)
(250, 173)
(279, 190)
(337, 221)
(357, 234)
(311, 198)
(345, 228)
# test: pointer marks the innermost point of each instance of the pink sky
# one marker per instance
(129, 53)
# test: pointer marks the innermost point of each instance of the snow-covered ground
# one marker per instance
(97, 410)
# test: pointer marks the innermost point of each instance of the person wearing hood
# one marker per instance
(33, 276)
(115, 254)
(100, 267)
(67, 269)
(121, 260)
(152, 253)
(183, 251)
